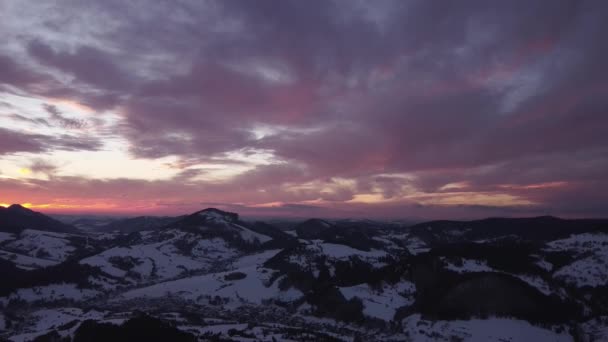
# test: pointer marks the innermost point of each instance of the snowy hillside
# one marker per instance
(31, 248)
(590, 264)
(212, 276)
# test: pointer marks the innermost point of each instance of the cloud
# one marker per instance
(36, 121)
(88, 65)
(394, 100)
(12, 141)
(43, 166)
(64, 122)
(14, 74)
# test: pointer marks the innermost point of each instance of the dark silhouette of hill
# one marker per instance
(16, 218)
(140, 223)
(542, 228)
(142, 328)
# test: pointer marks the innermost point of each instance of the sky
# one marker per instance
(347, 108)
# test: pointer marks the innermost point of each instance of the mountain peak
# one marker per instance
(215, 215)
(16, 217)
(18, 208)
(312, 228)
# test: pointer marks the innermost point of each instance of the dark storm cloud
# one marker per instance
(87, 64)
(11, 73)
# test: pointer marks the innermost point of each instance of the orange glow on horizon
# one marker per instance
(64, 207)
(268, 205)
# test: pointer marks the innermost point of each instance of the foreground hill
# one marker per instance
(197, 243)
(31, 240)
(210, 276)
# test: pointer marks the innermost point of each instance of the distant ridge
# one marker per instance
(17, 218)
(140, 223)
(527, 228)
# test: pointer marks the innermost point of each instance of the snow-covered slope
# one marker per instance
(590, 267)
(152, 260)
(216, 277)
(35, 248)
(200, 243)
(479, 330)
(246, 281)
(48, 245)
(382, 302)
(51, 293)
(26, 262)
(310, 255)
(216, 222)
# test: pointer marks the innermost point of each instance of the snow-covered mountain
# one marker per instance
(32, 249)
(212, 276)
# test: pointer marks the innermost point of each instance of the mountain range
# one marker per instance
(212, 276)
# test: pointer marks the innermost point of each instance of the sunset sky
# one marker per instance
(397, 109)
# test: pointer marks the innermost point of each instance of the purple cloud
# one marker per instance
(11, 142)
(401, 100)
